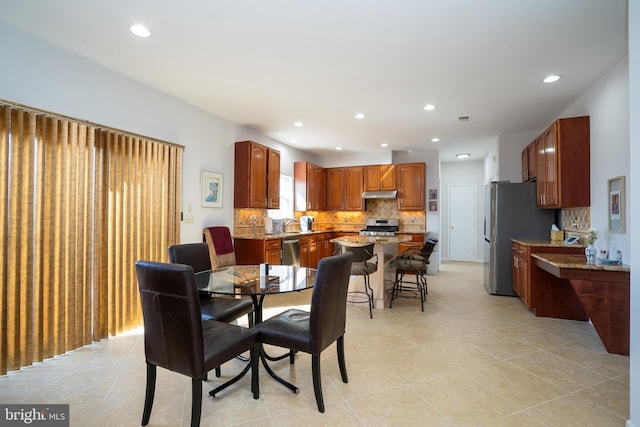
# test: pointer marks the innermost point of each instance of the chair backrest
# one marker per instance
(194, 254)
(171, 313)
(428, 247)
(220, 244)
(361, 254)
(329, 301)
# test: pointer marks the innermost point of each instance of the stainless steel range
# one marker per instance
(381, 227)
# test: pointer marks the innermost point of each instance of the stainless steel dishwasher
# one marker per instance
(291, 252)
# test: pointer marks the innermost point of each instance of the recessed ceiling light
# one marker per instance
(360, 116)
(435, 139)
(384, 144)
(140, 30)
(298, 124)
(463, 155)
(338, 148)
(551, 78)
(429, 107)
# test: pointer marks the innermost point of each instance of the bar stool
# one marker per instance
(413, 260)
(362, 265)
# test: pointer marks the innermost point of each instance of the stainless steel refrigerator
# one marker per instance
(510, 212)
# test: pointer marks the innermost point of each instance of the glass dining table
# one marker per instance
(256, 282)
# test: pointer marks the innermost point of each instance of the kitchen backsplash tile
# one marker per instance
(576, 219)
(410, 221)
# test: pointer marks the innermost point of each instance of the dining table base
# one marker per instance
(264, 357)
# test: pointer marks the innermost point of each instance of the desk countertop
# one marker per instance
(578, 262)
(546, 243)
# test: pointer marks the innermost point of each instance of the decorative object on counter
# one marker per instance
(616, 205)
(556, 234)
(590, 251)
(603, 259)
(211, 189)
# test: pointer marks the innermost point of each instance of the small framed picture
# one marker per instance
(433, 206)
(616, 204)
(433, 194)
(211, 189)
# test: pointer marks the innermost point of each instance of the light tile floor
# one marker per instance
(470, 359)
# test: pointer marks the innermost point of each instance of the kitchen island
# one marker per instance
(386, 247)
(567, 287)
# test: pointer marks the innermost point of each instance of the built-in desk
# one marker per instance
(566, 287)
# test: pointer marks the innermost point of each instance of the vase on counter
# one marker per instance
(590, 253)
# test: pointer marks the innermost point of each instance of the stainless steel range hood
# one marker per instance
(392, 194)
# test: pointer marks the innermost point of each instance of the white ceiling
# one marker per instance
(266, 64)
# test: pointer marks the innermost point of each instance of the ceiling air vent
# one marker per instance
(464, 118)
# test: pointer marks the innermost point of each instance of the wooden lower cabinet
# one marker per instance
(521, 266)
(324, 247)
(257, 251)
(273, 251)
(520, 272)
(308, 252)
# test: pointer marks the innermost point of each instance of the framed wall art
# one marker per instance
(433, 194)
(211, 189)
(433, 206)
(616, 204)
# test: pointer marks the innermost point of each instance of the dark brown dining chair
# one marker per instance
(412, 261)
(365, 262)
(176, 338)
(312, 332)
(213, 308)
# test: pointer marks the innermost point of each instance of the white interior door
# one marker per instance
(462, 222)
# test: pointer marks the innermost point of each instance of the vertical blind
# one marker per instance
(78, 205)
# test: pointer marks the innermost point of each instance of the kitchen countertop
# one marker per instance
(289, 234)
(263, 236)
(363, 240)
(547, 243)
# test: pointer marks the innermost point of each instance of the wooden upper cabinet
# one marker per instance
(309, 185)
(321, 189)
(273, 180)
(531, 158)
(341, 188)
(355, 183)
(563, 164)
(550, 167)
(379, 177)
(410, 180)
(529, 161)
(255, 180)
(540, 166)
(335, 189)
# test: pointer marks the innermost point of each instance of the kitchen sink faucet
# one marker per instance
(286, 222)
